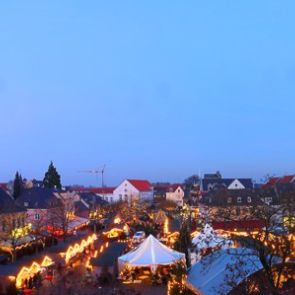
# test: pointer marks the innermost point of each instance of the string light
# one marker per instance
(26, 272)
(79, 248)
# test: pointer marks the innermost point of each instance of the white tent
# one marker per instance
(207, 238)
(221, 270)
(150, 253)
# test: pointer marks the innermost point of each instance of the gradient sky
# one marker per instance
(153, 89)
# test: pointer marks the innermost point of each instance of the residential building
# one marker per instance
(106, 193)
(231, 209)
(13, 224)
(175, 194)
(133, 190)
(89, 205)
(216, 181)
(39, 202)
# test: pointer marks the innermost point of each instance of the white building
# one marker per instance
(133, 190)
(175, 194)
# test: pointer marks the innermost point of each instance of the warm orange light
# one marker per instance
(26, 272)
(117, 220)
(79, 248)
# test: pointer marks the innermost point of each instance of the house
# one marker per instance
(39, 202)
(133, 190)
(13, 225)
(231, 209)
(160, 190)
(175, 194)
(89, 205)
(106, 193)
(273, 181)
(51, 210)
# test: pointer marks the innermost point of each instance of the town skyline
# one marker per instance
(94, 180)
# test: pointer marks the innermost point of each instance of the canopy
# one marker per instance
(222, 270)
(77, 223)
(151, 252)
(207, 238)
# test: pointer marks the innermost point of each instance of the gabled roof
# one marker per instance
(175, 186)
(141, 185)
(7, 204)
(286, 179)
(4, 186)
(38, 197)
(168, 187)
(225, 182)
(221, 196)
(92, 199)
(273, 181)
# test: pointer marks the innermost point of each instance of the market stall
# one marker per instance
(151, 253)
(208, 239)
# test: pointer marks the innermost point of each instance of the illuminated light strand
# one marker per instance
(79, 248)
(26, 272)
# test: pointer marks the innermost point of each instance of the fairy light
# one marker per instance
(79, 248)
(26, 272)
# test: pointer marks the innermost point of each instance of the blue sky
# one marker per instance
(153, 89)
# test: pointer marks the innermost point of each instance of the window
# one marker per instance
(239, 200)
(178, 190)
(37, 216)
(26, 204)
(120, 198)
(229, 200)
(249, 200)
(210, 200)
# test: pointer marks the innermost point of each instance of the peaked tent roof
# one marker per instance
(212, 273)
(151, 252)
(141, 185)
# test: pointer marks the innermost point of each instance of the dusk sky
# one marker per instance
(153, 89)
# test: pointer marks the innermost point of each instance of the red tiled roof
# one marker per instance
(3, 185)
(286, 179)
(271, 182)
(141, 185)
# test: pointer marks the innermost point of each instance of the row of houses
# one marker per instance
(38, 206)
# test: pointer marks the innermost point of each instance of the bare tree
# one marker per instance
(273, 245)
(59, 219)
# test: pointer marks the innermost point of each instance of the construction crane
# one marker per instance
(96, 172)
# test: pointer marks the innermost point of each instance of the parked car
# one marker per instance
(138, 237)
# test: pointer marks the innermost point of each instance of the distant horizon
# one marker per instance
(98, 184)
